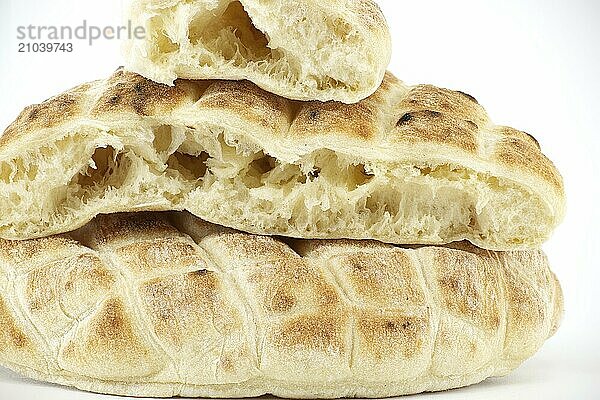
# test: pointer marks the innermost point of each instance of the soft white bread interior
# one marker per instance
(407, 165)
(299, 49)
(168, 305)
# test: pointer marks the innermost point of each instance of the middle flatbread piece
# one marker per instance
(407, 165)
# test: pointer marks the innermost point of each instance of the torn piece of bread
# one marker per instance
(407, 165)
(301, 49)
(151, 304)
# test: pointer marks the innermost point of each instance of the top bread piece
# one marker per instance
(410, 164)
(301, 49)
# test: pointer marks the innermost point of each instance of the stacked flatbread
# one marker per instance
(216, 237)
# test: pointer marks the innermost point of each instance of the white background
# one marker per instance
(534, 65)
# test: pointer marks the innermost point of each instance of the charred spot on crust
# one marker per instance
(359, 120)
(357, 265)
(431, 114)
(405, 119)
(33, 113)
(468, 96)
(533, 139)
(390, 325)
(472, 125)
(514, 136)
(138, 88)
(410, 116)
(200, 272)
(514, 151)
(395, 326)
(207, 281)
(452, 104)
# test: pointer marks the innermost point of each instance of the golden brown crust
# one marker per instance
(110, 345)
(15, 344)
(392, 337)
(53, 246)
(521, 150)
(158, 256)
(317, 314)
(456, 104)
(469, 287)
(242, 248)
(193, 302)
(386, 279)
(243, 100)
(433, 127)
(132, 94)
(50, 113)
(86, 273)
(112, 230)
(320, 333)
(355, 120)
(440, 116)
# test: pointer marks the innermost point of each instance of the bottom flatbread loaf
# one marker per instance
(154, 304)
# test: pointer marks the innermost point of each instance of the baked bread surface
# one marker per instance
(303, 50)
(410, 164)
(154, 304)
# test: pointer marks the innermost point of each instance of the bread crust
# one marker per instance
(409, 164)
(302, 50)
(165, 304)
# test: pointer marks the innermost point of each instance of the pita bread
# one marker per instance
(302, 50)
(410, 164)
(168, 305)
